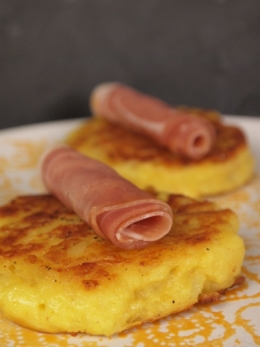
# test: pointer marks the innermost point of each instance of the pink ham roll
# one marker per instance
(114, 208)
(182, 133)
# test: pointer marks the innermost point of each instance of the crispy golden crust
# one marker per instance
(138, 159)
(54, 268)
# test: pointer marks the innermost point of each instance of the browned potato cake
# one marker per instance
(56, 275)
(229, 165)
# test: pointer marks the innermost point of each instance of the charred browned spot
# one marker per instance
(27, 203)
(58, 252)
(20, 250)
(7, 211)
(209, 298)
(229, 140)
(197, 239)
(85, 268)
(111, 254)
(199, 207)
(239, 281)
(91, 269)
(74, 334)
(9, 240)
(90, 284)
(72, 231)
(32, 258)
(40, 218)
(12, 237)
(150, 256)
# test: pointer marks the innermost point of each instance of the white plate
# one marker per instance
(235, 321)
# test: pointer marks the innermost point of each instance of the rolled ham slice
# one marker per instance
(182, 133)
(114, 208)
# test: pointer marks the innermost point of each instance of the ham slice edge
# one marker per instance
(182, 133)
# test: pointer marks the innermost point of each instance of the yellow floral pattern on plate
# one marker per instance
(234, 321)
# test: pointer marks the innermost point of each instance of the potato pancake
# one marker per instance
(229, 165)
(57, 275)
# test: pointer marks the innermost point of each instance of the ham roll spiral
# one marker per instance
(114, 208)
(182, 133)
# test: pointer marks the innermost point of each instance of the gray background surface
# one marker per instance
(203, 53)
